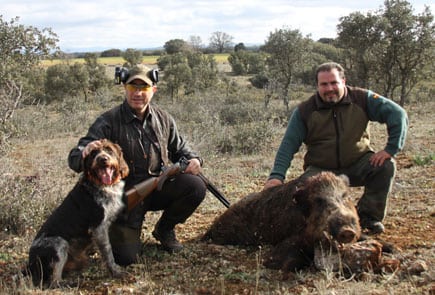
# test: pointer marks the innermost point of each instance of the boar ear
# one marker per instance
(299, 195)
(301, 199)
(344, 178)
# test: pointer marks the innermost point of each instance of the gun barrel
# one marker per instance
(141, 190)
(214, 191)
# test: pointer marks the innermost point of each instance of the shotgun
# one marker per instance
(141, 190)
(210, 186)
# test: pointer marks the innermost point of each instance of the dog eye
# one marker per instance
(93, 153)
(109, 151)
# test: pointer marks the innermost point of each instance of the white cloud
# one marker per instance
(85, 25)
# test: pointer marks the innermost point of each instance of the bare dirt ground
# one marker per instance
(209, 269)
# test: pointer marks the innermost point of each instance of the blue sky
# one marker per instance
(85, 25)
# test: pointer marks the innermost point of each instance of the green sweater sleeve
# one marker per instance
(290, 144)
(384, 110)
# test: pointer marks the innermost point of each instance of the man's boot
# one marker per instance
(166, 237)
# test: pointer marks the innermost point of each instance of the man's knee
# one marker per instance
(196, 187)
(126, 254)
(126, 244)
(200, 190)
(381, 178)
(388, 169)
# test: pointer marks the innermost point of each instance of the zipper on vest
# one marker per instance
(337, 143)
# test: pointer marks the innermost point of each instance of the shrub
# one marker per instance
(25, 203)
(424, 160)
(247, 138)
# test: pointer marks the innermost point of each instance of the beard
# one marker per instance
(331, 97)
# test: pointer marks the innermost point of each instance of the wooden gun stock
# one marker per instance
(140, 191)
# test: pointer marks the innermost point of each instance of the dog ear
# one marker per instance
(123, 167)
(87, 163)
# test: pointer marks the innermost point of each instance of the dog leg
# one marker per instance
(57, 266)
(101, 236)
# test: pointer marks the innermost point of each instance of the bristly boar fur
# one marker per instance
(295, 218)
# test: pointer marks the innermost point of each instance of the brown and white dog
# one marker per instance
(83, 217)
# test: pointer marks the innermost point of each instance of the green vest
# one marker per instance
(337, 135)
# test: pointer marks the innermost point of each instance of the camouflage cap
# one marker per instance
(140, 72)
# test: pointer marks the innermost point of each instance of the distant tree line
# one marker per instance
(389, 50)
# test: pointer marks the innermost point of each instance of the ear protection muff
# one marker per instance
(122, 74)
(154, 75)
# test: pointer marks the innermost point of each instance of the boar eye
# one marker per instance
(320, 201)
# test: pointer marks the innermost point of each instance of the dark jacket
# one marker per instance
(146, 146)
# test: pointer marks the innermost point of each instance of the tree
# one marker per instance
(177, 72)
(21, 50)
(410, 41)
(57, 84)
(220, 41)
(188, 71)
(204, 71)
(132, 57)
(329, 41)
(64, 80)
(176, 46)
(245, 62)
(196, 43)
(96, 72)
(321, 52)
(239, 47)
(78, 80)
(289, 55)
(357, 35)
(389, 49)
(238, 62)
(111, 53)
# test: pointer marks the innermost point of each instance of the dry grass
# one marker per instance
(36, 177)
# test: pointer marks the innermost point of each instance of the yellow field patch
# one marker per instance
(112, 61)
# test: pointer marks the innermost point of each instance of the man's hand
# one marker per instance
(194, 167)
(90, 147)
(378, 159)
(271, 183)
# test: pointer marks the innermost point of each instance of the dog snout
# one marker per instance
(103, 160)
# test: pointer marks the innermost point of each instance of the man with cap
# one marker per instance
(149, 139)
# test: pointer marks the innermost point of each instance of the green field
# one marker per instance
(111, 61)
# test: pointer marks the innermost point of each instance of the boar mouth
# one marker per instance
(343, 236)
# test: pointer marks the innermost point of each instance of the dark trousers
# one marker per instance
(179, 198)
(377, 182)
